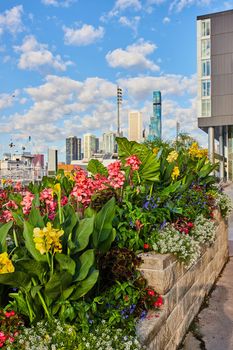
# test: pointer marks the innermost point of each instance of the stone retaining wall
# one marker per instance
(183, 291)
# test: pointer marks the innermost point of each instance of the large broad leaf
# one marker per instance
(170, 189)
(66, 263)
(18, 219)
(29, 243)
(103, 223)
(95, 167)
(128, 148)
(4, 229)
(86, 262)
(59, 282)
(206, 170)
(105, 245)
(33, 267)
(17, 279)
(83, 233)
(150, 169)
(85, 286)
(35, 218)
(70, 220)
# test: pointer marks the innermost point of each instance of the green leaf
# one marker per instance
(95, 167)
(18, 219)
(33, 267)
(170, 189)
(57, 284)
(21, 303)
(35, 218)
(103, 223)
(83, 233)
(86, 260)
(70, 220)
(105, 245)
(66, 263)
(35, 290)
(128, 148)
(4, 229)
(85, 286)
(150, 169)
(17, 279)
(29, 243)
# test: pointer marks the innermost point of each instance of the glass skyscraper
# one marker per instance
(155, 127)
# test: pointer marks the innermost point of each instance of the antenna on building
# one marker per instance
(119, 103)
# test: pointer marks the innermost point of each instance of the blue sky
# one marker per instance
(61, 61)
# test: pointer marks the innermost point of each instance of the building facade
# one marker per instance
(52, 161)
(215, 84)
(155, 127)
(89, 145)
(73, 149)
(109, 143)
(135, 126)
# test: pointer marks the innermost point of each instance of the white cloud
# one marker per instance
(131, 23)
(179, 5)
(120, 6)
(6, 100)
(11, 20)
(166, 20)
(34, 56)
(134, 56)
(86, 35)
(228, 5)
(58, 3)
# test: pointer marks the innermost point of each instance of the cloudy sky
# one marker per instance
(61, 61)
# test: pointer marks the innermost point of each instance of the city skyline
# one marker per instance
(61, 64)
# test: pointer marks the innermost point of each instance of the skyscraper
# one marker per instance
(89, 145)
(135, 126)
(73, 149)
(109, 142)
(215, 83)
(52, 161)
(155, 127)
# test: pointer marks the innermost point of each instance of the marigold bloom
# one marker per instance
(47, 239)
(175, 173)
(173, 155)
(6, 265)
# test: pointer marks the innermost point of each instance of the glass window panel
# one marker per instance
(205, 28)
(205, 48)
(205, 88)
(205, 68)
(205, 108)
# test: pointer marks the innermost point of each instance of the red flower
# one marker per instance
(159, 302)
(190, 224)
(9, 314)
(151, 292)
(146, 246)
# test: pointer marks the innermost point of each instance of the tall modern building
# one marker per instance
(135, 126)
(73, 149)
(109, 142)
(52, 161)
(155, 127)
(89, 141)
(215, 84)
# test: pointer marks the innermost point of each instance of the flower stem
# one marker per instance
(42, 300)
(15, 238)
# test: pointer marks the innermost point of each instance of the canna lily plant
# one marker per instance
(51, 264)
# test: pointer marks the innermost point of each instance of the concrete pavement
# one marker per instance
(212, 329)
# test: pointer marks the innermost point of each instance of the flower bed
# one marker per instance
(183, 290)
(70, 247)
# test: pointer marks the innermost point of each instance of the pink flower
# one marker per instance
(18, 186)
(11, 205)
(116, 178)
(64, 200)
(6, 216)
(27, 202)
(133, 162)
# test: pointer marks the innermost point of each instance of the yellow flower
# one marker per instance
(69, 175)
(175, 173)
(6, 265)
(47, 239)
(57, 188)
(195, 152)
(173, 155)
(156, 150)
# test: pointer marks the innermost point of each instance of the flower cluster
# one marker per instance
(133, 162)
(6, 265)
(10, 326)
(196, 152)
(183, 225)
(47, 239)
(172, 156)
(204, 230)
(152, 299)
(116, 178)
(46, 197)
(27, 202)
(175, 173)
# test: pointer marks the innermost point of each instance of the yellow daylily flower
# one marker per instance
(6, 265)
(47, 239)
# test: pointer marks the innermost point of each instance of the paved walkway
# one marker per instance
(213, 328)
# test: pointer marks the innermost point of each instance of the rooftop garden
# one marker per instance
(69, 246)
